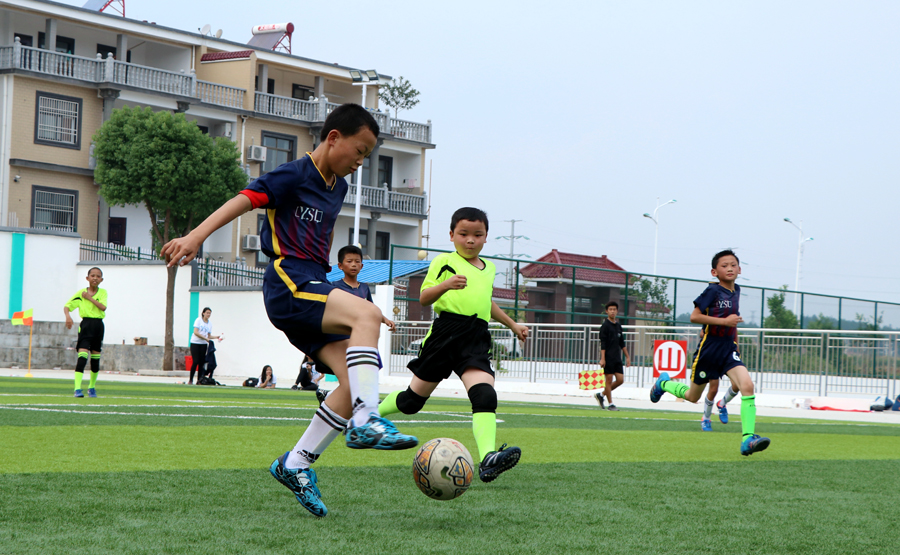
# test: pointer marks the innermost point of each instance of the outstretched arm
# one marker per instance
(182, 250)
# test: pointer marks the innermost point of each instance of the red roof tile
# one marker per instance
(216, 56)
(503, 293)
(535, 270)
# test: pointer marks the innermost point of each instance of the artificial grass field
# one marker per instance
(175, 469)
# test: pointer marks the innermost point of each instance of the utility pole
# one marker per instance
(510, 282)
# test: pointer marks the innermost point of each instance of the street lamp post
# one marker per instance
(656, 224)
(361, 78)
(799, 261)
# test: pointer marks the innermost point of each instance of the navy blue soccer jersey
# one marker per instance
(301, 210)
(363, 291)
(719, 302)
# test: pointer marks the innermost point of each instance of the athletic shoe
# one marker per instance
(379, 433)
(723, 412)
(92, 392)
(657, 391)
(599, 397)
(754, 444)
(612, 407)
(320, 395)
(294, 387)
(79, 393)
(706, 425)
(302, 483)
(497, 462)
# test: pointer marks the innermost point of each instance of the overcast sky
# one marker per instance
(575, 116)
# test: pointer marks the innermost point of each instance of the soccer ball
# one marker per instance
(443, 469)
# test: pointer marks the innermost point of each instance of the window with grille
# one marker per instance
(55, 209)
(58, 120)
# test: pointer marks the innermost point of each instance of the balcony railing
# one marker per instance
(379, 198)
(99, 70)
(306, 110)
(410, 130)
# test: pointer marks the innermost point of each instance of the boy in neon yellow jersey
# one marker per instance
(460, 286)
(717, 308)
(90, 303)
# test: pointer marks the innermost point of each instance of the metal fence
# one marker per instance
(808, 362)
(213, 273)
(105, 252)
(649, 299)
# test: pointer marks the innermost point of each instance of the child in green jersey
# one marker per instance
(460, 286)
(90, 303)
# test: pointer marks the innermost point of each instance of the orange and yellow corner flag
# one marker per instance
(23, 318)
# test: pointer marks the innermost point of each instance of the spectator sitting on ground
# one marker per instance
(267, 378)
(308, 379)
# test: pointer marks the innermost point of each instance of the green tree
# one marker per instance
(654, 292)
(399, 95)
(821, 322)
(779, 317)
(179, 173)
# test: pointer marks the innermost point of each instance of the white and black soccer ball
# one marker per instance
(443, 469)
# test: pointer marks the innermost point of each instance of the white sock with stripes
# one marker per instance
(729, 395)
(325, 426)
(362, 370)
(707, 408)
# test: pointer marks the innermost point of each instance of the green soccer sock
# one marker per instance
(675, 388)
(484, 428)
(93, 379)
(78, 377)
(389, 404)
(748, 415)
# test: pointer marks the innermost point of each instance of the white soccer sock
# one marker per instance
(729, 395)
(325, 426)
(362, 369)
(707, 408)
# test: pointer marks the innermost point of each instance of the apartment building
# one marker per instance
(64, 69)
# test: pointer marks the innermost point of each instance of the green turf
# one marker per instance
(172, 469)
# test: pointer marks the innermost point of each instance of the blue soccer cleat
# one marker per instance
(723, 412)
(754, 444)
(79, 393)
(706, 425)
(302, 483)
(379, 433)
(92, 392)
(656, 392)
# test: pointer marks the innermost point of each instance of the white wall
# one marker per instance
(137, 302)
(5, 261)
(51, 276)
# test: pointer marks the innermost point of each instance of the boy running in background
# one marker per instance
(706, 422)
(302, 199)
(90, 303)
(612, 346)
(460, 286)
(350, 261)
(717, 308)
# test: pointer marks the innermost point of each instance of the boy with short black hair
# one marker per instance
(612, 346)
(90, 303)
(350, 261)
(460, 286)
(717, 308)
(302, 199)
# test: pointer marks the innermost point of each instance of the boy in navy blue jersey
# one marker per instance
(302, 199)
(350, 261)
(717, 309)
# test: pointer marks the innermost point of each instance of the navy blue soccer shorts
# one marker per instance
(714, 358)
(295, 292)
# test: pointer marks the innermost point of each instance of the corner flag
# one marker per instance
(23, 318)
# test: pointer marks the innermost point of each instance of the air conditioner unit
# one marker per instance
(251, 243)
(256, 153)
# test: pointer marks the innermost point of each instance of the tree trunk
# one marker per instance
(169, 351)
